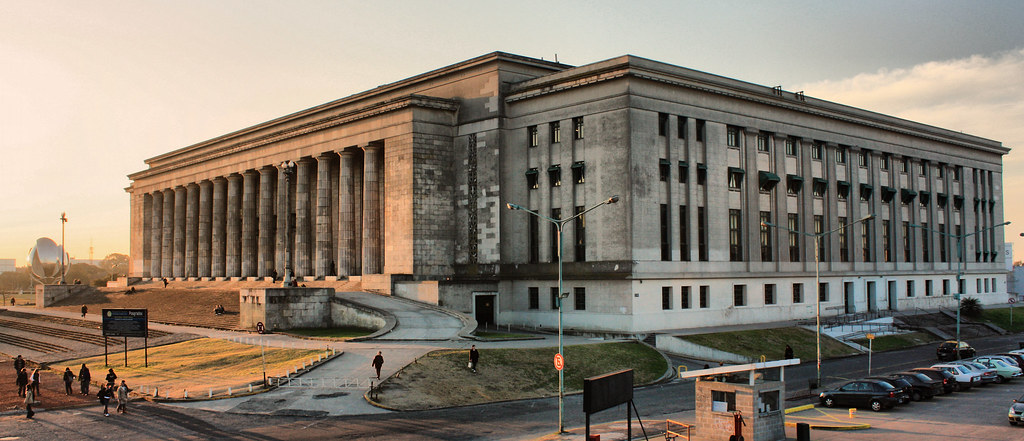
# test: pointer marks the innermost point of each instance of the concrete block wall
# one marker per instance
(285, 308)
(47, 295)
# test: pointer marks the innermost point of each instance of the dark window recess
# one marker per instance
(664, 170)
(865, 192)
(580, 235)
(732, 136)
(794, 184)
(700, 130)
(684, 171)
(887, 194)
(819, 186)
(842, 189)
(578, 172)
(941, 199)
(662, 124)
(666, 297)
(556, 132)
(924, 198)
(681, 127)
(702, 174)
(555, 175)
(684, 234)
(666, 248)
(739, 295)
(907, 195)
(766, 180)
(534, 297)
(958, 202)
(735, 178)
(531, 133)
(531, 178)
(577, 127)
(580, 297)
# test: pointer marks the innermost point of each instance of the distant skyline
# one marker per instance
(90, 90)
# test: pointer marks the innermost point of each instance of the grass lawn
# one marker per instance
(1001, 317)
(344, 332)
(898, 341)
(441, 378)
(196, 365)
(772, 343)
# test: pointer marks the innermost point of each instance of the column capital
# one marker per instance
(348, 151)
(266, 169)
(374, 145)
(205, 183)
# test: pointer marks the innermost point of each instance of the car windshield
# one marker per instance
(998, 362)
(923, 377)
(885, 384)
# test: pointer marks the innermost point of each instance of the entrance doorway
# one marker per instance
(872, 301)
(892, 295)
(848, 297)
(484, 309)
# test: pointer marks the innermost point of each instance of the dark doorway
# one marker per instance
(872, 302)
(892, 295)
(485, 310)
(848, 298)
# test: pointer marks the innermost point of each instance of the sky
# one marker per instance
(90, 90)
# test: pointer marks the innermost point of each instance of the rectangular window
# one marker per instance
(884, 162)
(577, 127)
(762, 142)
(555, 175)
(534, 297)
(666, 297)
(664, 170)
(886, 241)
(798, 293)
(556, 132)
(534, 239)
(841, 155)
(554, 297)
(556, 213)
(705, 296)
(769, 294)
(662, 124)
(790, 147)
(819, 187)
(905, 165)
(531, 178)
(910, 288)
(957, 172)
(531, 134)
(579, 175)
(684, 234)
(979, 285)
(732, 136)
(942, 244)
(735, 236)
(945, 287)
(823, 292)
(683, 172)
(817, 150)
(844, 242)
(580, 296)
(681, 127)
(684, 297)
(735, 178)
(907, 251)
(700, 130)
(766, 237)
(940, 171)
(580, 235)
(924, 168)
(666, 248)
(862, 158)
(928, 288)
(722, 401)
(702, 174)
(986, 285)
(739, 295)
(702, 234)
(926, 255)
(819, 228)
(865, 240)
(793, 220)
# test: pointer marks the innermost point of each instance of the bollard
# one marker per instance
(186, 394)
(156, 392)
(229, 391)
(211, 393)
(803, 432)
(853, 412)
(250, 387)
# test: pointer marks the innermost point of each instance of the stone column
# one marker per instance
(156, 235)
(205, 222)
(143, 239)
(167, 238)
(324, 259)
(303, 212)
(372, 251)
(191, 230)
(284, 213)
(347, 251)
(233, 253)
(180, 199)
(357, 211)
(265, 262)
(250, 223)
(218, 234)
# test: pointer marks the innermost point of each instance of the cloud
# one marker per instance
(981, 95)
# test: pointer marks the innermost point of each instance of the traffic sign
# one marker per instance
(871, 336)
(559, 362)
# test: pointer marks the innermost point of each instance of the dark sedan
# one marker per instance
(1016, 413)
(903, 387)
(948, 380)
(923, 386)
(947, 350)
(874, 394)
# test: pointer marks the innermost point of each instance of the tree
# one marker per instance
(970, 307)
(16, 280)
(115, 264)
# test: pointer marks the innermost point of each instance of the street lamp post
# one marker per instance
(959, 270)
(817, 277)
(559, 223)
(63, 220)
(288, 169)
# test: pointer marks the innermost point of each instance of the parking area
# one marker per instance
(979, 413)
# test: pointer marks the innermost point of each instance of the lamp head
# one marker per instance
(613, 199)
(512, 206)
(868, 217)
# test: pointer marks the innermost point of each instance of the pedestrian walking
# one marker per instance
(474, 358)
(111, 378)
(34, 382)
(104, 396)
(165, 282)
(69, 378)
(19, 364)
(378, 361)
(30, 398)
(85, 309)
(84, 377)
(22, 381)
(789, 352)
(122, 397)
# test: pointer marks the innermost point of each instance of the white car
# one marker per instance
(965, 378)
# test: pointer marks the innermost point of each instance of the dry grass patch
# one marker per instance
(441, 378)
(197, 365)
(772, 343)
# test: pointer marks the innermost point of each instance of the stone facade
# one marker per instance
(408, 182)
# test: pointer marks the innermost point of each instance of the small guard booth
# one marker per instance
(744, 402)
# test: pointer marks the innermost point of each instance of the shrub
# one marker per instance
(970, 307)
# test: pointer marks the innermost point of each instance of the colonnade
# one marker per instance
(318, 217)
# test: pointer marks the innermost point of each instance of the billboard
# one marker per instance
(125, 322)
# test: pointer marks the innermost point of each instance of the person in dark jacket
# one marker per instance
(22, 381)
(84, 377)
(104, 395)
(85, 309)
(789, 352)
(474, 358)
(69, 378)
(34, 381)
(19, 364)
(111, 378)
(378, 361)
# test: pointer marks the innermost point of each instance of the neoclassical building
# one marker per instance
(723, 185)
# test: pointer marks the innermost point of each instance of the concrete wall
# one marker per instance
(346, 313)
(47, 295)
(425, 291)
(676, 345)
(285, 308)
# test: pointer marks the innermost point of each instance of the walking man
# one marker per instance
(30, 398)
(111, 378)
(69, 377)
(85, 309)
(104, 396)
(378, 361)
(85, 378)
(474, 358)
(122, 397)
(789, 352)
(19, 364)
(34, 379)
(22, 381)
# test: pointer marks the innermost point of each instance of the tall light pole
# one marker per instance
(63, 220)
(559, 223)
(288, 169)
(959, 270)
(817, 277)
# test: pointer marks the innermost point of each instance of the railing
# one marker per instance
(324, 383)
(675, 429)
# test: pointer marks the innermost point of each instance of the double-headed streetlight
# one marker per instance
(817, 276)
(959, 268)
(288, 169)
(63, 271)
(559, 223)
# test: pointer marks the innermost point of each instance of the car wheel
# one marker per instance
(956, 387)
(1000, 379)
(916, 396)
(1013, 423)
(828, 402)
(876, 405)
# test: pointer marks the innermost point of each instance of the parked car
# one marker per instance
(949, 383)
(923, 388)
(988, 375)
(1004, 372)
(903, 387)
(874, 394)
(1016, 413)
(1018, 357)
(947, 350)
(1012, 361)
(965, 378)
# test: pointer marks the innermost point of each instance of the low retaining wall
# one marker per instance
(348, 313)
(425, 291)
(285, 308)
(47, 295)
(676, 345)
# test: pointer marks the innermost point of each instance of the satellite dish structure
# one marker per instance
(45, 261)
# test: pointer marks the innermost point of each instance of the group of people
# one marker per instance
(28, 387)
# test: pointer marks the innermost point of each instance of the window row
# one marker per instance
(555, 175)
(555, 132)
(579, 298)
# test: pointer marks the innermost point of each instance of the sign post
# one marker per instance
(871, 339)
(559, 362)
(126, 323)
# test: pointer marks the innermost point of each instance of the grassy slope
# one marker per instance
(772, 343)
